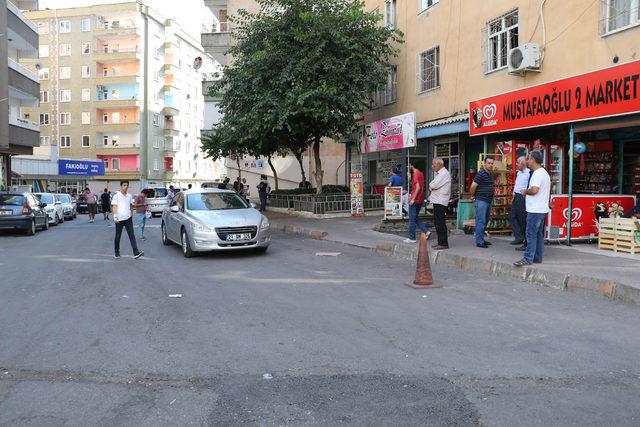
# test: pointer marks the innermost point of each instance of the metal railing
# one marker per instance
(323, 203)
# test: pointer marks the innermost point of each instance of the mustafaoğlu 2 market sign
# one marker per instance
(614, 91)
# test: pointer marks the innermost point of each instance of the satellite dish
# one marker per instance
(197, 63)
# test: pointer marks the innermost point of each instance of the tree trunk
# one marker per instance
(298, 155)
(238, 163)
(318, 172)
(275, 173)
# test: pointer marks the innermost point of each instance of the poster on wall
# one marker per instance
(357, 198)
(393, 203)
(390, 134)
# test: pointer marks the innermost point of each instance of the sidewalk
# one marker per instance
(581, 267)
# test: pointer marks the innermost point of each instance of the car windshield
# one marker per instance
(45, 198)
(215, 201)
(155, 192)
(11, 200)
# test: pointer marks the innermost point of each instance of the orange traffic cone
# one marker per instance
(424, 279)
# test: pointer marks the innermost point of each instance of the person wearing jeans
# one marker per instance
(416, 199)
(535, 234)
(483, 216)
(414, 211)
(121, 209)
(141, 212)
(482, 192)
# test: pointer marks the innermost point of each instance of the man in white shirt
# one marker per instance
(518, 212)
(440, 195)
(121, 208)
(537, 201)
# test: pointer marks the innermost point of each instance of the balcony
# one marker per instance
(109, 55)
(216, 41)
(170, 148)
(16, 66)
(111, 174)
(22, 123)
(114, 127)
(118, 79)
(170, 128)
(113, 31)
(106, 103)
(105, 150)
(26, 135)
(169, 175)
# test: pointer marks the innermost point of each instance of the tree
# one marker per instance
(304, 68)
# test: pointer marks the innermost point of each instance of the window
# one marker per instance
(65, 141)
(86, 94)
(44, 140)
(115, 140)
(85, 24)
(44, 118)
(44, 96)
(86, 118)
(156, 119)
(44, 50)
(619, 14)
(65, 95)
(86, 48)
(156, 76)
(156, 142)
(390, 89)
(65, 118)
(502, 36)
(426, 4)
(43, 74)
(429, 75)
(106, 163)
(65, 49)
(105, 72)
(156, 164)
(65, 72)
(86, 72)
(390, 14)
(156, 97)
(86, 141)
(105, 140)
(65, 26)
(43, 27)
(115, 117)
(115, 164)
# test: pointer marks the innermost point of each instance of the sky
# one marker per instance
(190, 14)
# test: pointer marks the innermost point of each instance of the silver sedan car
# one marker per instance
(214, 220)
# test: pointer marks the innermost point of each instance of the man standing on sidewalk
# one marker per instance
(482, 194)
(92, 203)
(395, 180)
(440, 195)
(518, 212)
(105, 199)
(121, 209)
(141, 207)
(416, 199)
(537, 202)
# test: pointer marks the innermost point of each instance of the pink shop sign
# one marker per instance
(390, 134)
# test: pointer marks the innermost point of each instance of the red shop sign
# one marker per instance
(610, 92)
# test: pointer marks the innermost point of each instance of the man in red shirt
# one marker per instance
(416, 199)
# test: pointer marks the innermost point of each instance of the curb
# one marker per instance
(588, 285)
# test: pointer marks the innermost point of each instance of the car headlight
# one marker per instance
(199, 227)
(265, 223)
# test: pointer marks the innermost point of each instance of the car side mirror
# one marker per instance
(174, 208)
(253, 205)
(44, 205)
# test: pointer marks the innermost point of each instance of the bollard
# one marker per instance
(424, 278)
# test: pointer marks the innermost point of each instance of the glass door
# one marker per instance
(556, 168)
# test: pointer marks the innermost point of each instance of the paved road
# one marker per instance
(88, 339)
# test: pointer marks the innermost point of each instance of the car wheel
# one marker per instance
(75, 215)
(186, 246)
(56, 220)
(46, 223)
(31, 228)
(62, 219)
(165, 239)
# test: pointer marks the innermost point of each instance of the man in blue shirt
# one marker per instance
(395, 180)
(482, 195)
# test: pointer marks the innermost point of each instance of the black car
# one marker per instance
(22, 211)
(82, 207)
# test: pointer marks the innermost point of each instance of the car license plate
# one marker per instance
(236, 237)
(3, 212)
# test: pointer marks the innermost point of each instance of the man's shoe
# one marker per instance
(410, 240)
(517, 242)
(488, 243)
(521, 263)
(521, 248)
(139, 254)
(482, 245)
(537, 262)
(116, 256)
(440, 247)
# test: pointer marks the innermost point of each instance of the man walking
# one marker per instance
(105, 200)
(171, 194)
(121, 209)
(92, 203)
(141, 213)
(416, 199)
(518, 212)
(482, 194)
(440, 195)
(263, 190)
(246, 190)
(537, 202)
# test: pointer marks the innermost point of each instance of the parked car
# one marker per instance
(22, 211)
(54, 208)
(157, 199)
(82, 207)
(68, 205)
(214, 220)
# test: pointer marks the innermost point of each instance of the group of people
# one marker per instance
(243, 189)
(530, 205)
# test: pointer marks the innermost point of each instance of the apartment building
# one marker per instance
(19, 87)
(458, 52)
(120, 85)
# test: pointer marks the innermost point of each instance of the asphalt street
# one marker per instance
(293, 338)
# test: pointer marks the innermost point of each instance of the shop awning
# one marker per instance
(445, 126)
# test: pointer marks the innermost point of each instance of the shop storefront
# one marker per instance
(61, 176)
(588, 128)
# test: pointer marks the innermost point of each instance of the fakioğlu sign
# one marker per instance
(613, 91)
(80, 167)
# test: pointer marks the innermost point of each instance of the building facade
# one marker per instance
(457, 52)
(19, 87)
(119, 84)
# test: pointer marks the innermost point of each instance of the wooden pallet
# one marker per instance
(619, 235)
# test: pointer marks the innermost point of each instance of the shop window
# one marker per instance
(426, 4)
(502, 36)
(619, 14)
(429, 70)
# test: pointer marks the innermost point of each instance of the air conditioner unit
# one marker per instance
(525, 58)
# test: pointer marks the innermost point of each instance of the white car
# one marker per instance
(54, 209)
(68, 205)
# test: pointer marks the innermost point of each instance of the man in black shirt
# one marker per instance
(482, 193)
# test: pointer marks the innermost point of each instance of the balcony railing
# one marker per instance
(23, 70)
(111, 50)
(25, 124)
(100, 96)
